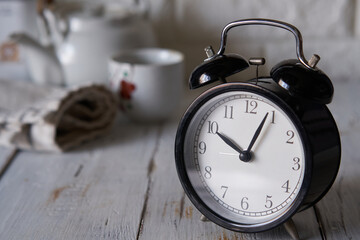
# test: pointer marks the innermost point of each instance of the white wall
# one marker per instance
(330, 29)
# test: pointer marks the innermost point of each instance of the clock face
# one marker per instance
(244, 157)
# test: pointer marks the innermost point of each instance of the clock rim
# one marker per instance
(185, 181)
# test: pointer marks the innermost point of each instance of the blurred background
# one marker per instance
(330, 29)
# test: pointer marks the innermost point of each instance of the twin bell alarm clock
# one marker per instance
(251, 154)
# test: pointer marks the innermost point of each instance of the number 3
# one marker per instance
(296, 164)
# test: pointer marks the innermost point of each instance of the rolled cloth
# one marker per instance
(53, 119)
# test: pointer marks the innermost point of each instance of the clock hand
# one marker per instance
(244, 155)
(229, 142)
(257, 133)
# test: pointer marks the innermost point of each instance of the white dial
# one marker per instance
(244, 157)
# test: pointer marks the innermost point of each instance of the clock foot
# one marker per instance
(203, 218)
(291, 229)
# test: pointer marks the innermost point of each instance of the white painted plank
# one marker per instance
(307, 225)
(171, 215)
(6, 157)
(96, 192)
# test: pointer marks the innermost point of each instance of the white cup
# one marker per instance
(148, 82)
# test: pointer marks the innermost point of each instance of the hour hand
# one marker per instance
(229, 142)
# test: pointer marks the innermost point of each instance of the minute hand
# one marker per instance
(257, 133)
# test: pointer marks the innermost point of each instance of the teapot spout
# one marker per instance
(42, 64)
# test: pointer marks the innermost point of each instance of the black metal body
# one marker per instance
(319, 135)
(301, 82)
(217, 69)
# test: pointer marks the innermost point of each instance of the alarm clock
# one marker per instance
(250, 154)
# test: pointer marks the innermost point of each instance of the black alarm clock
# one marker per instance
(251, 154)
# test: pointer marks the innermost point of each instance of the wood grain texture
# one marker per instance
(93, 193)
(125, 186)
(171, 215)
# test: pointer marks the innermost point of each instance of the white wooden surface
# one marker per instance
(6, 157)
(125, 186)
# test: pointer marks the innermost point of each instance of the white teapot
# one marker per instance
(77, 40)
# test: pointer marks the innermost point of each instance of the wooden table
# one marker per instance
(125, 186)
